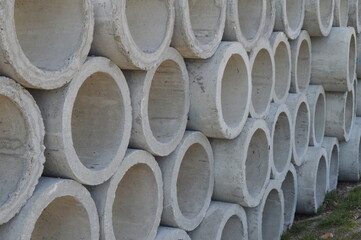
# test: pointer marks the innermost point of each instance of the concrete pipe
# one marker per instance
(358, 56)
(130, 203)
(21, 147)
(263, 78)
(301, 63)
(280, 125)
(312, 177)
(341, 13)
(243, 165)
(245, 21)
(270, 19)
(334, 70)
(354, 14)
(358, 97)
(266, 220)
(289, 17)
(282, 58)
(339, 114)
(224, 221)
(188, 177)
(316, 99)
(59, 209)
(319, 16)
(166, 233)
(87, 123)
(199, 27)
(331, 145)
(220, 92)
(160, 104)
(45, 42)
(289, 188)
(126, 32)
(301, 125)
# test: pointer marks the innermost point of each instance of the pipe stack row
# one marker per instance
(174, 119)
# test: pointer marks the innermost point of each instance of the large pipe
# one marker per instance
(289, 188)
(242, 165)
(358, 56)
(354, 15)
(44, 43)
(87, 123)
(331, 145)
(21, 147)
(130, 203)
(160, 104)
(358, 97)
(188, 177)
(59, 209)
(220, 92)
(341, 13)
(166, 233)
(319, 16)
(270, 19)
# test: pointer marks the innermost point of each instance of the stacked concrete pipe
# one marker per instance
(332, 147)
(354, 15)
(319, 17)
(289, 188)
(340, 18)
(166, 233)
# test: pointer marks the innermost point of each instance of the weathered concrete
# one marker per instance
(312, 179)
(21, 147)
(44, 43)
(245, 21)
(160, 104)
(87, 123)
(224, 221)
(289, 188)
(243, 165)
(128, 35)
(319, 16)
(166, 233)
(358, 56)
(270, 19)
(281, 130)
(340, 17)
(331, 145)
(130, 203)
(289, 17)
(188, 177)
(358, 97)
(354, 15)
(334, 70)
(301, 63)
(221, 90)
(59, 209)
(301, 125)
(282, 57)
(316, 99)
(263, 78)
(199, 27)
(266, 220)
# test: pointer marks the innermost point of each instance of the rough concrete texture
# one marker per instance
(331, 145)
(266, 220)
(280, 125)
(166, 233)
(188, 178)
(354, 14)
(340, 17)
(270, 19)
(289, 188)
(44, 43)
(316, 99)
(87, 123)
(282, 58)
(290, 15)
(243, 165)
(301, 63)
(319, 16)
(21, 147)
(160, 104)
(335, 71)
(358, 56)
(312, 177)
(130, 203)
(245, 21)
(199, 27)
(59, 209)
(263, 78)
(220, 92)
(301, 125)
(358, 97)
(224, 221)
(128, 35)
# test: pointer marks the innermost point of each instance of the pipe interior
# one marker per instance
(301, 129)
(303, 66)
(271, 216)
(326, 11)
(249, 15)
(294, 13)
(349, 111)
(343, 10)
(282, 145)
(282, 70)
(352, 59)
(334, 166)
(321, 180)
(319, 118)
(290, 196)
(233, 229)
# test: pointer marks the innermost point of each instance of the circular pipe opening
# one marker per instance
(303, 66)
(334, 163)
(282, 70)
(289, 194)
(166, 101)
(64, 218)
(97, 121)
(301, 129)
(233, 229)
(326, 11)
(352, 59)
(294, 13)
(257, 163)
(281, 142)
(349, 106)
(249, 15)
(49, 31)
(321, 180)
(148, 31)
(234, 93)
(135, 203)
(193, 181)
(319, 119)
(271, 216)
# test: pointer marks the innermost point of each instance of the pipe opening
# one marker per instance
(334, 163)
(343, 12)
(249, 15)
(301, 129)
(271, 216)
(349, 106)
(282, 70)
(326, 11)
(233, 229)
(303, 66)
(289, 193)
(319, 119)
(282, 145)
(321, 180)
(294, 13)
(352, 59)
